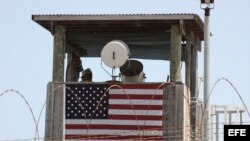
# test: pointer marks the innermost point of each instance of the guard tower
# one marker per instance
(171, 37)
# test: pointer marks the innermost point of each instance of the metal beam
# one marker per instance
(113, 17)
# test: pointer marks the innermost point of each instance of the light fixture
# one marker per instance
(207, 4)
(207, 1)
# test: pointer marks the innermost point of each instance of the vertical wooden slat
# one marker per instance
(54, 108)
(193, 88)
(177, 125)
(58, 56)
(175, 54)
(49, 112)
(188, 60)
(57, 128)
(194, 65)
(54, 112)
(58, 76)
(165, 114)
(171, 114)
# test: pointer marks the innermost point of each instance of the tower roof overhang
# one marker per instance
(140, 31)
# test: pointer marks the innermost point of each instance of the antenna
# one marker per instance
(114, 55)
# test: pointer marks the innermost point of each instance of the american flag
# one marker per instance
(113, 112)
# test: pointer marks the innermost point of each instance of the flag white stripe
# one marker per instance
(112, 122)
(122, 112)
(111, 132)
(135, 112)
(137, 91)
(135, 102)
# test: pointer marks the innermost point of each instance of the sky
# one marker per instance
(26, 53)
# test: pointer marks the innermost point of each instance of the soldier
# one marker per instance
(74, 68)
(86, 75)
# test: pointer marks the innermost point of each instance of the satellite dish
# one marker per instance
(115, 53)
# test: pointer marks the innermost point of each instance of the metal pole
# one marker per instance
(206, 75)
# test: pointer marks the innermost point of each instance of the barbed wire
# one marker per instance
(237, 92)
(27, 103)
(173, 138)
(169, 131)
(32, 139)
(37, 123)
(231, 84)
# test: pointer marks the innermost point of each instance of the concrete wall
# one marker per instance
(176, 113)
(54, 112)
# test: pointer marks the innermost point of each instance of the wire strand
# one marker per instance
(29, 107)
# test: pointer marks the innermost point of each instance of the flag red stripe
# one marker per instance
(130, 96)
(137, 93)
(116, 127)
(136, 107)
(133, 117)
(139, 86)
(113, 137)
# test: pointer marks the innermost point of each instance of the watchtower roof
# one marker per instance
(140, 31)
